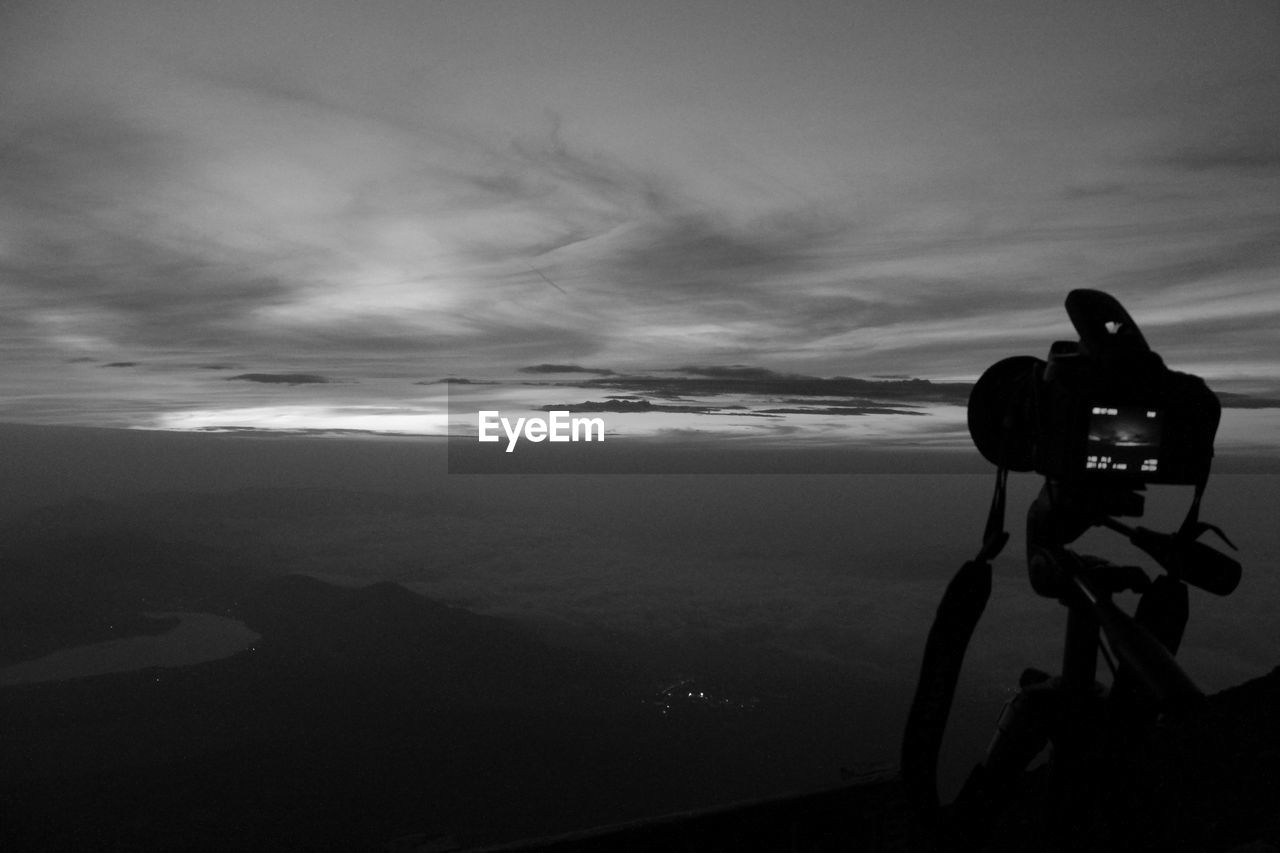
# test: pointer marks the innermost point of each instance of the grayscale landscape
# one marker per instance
(557, 424)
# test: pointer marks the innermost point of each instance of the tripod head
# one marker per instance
(1143, 646)
(1064, 511)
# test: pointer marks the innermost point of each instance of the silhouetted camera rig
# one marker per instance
(1100, 419)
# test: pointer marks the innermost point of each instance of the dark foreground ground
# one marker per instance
(374, 719)
(1208, 782)
(361, 716)
(347, 726)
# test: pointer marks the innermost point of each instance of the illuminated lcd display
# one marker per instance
(1123, 439)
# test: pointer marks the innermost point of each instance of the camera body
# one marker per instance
(1104, 410)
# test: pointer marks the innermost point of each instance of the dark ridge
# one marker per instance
(85, 572)
(627, 405)
(290, 432)
(359, 715)
(738, 371)
(708, 382)
(841, 410)
(566, 368)
(1230, 400)
(280, 378)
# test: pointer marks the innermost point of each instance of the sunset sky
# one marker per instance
(307, 214)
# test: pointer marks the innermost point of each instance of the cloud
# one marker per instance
(743, 380)
(565, 368)
(645, 265)
(701, 253)
(557, 197)
(98, 220)
(280, 378)
(1232, 131)
(736, 371)
(1259, 155)
(180, 188)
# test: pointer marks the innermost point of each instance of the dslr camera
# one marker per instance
(1103, 411)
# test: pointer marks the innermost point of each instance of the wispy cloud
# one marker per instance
(737, 381)
(184, 187)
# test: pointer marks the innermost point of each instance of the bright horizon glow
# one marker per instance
(305, 418)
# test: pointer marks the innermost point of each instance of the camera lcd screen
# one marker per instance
(1124, 439)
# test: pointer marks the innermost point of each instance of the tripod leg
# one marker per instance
(1163, 612)
(1022, 731)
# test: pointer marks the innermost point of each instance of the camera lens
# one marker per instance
(1001, 412)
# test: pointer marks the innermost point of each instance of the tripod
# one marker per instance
(1093, 731)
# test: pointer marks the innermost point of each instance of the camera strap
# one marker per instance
(1192, 527)
(958, 614)
(994, 536)
(1192, 520)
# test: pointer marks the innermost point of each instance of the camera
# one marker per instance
(1103, 410)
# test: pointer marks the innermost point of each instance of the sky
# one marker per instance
(306, 215)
